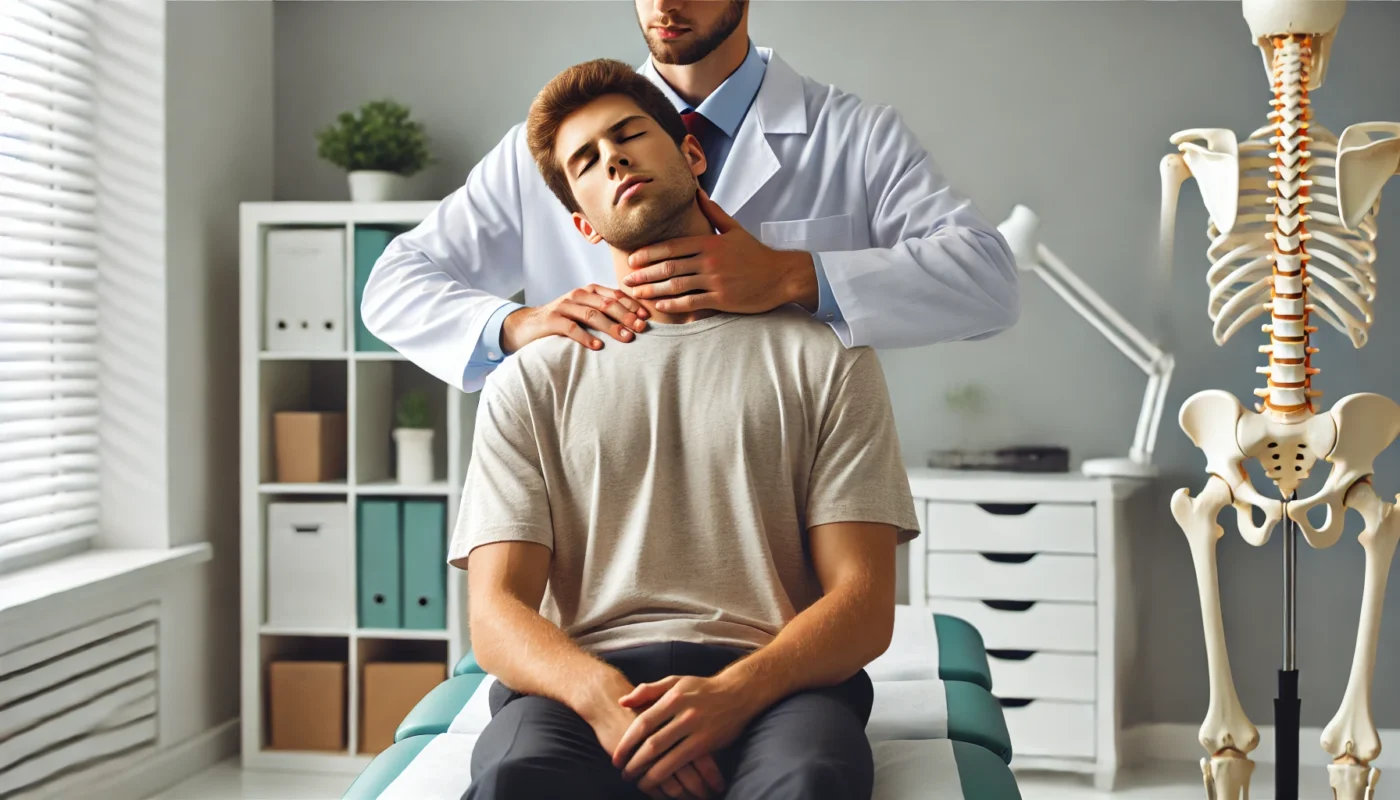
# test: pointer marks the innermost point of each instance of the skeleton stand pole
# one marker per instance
(1287, 704)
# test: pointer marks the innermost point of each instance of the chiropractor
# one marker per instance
(819, 199)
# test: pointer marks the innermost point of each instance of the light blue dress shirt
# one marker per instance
(725, 108)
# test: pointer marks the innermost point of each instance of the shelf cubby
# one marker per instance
(364, 383)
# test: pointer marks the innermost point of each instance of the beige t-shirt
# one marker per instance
(674, 477)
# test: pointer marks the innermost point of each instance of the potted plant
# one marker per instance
(414, 439)
(379, 148)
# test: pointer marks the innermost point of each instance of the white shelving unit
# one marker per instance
(370, 383)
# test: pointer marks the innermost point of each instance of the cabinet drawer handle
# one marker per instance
(1008, 558)
(312, 528)
(1006, 509)
(1010, 655)
(1015, 702)
(1009, 605)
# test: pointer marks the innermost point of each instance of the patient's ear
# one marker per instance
(586, 228)
(694, 155)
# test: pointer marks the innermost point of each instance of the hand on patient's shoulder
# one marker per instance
(578, 315)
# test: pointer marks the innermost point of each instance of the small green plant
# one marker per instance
(413, 409)
(380, 137)
(967, 400)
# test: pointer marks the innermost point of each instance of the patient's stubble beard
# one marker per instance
(655, 218)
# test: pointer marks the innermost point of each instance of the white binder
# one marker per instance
(305, 300)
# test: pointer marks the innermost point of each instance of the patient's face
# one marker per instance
(685, 31)
(633, 184)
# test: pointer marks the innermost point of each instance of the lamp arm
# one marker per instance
(1117, 337)
(1146, 352)
(1150, 416)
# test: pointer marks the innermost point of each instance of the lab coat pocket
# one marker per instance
(811, 235)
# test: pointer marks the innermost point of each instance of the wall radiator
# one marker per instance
(79, 704)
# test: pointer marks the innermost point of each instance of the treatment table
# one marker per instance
(936, 730)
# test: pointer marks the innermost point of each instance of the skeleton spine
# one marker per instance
(1289, 393)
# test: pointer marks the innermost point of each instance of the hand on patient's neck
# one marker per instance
(695, 224)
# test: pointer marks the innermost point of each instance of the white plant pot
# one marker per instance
(376, 186)
(415, 455)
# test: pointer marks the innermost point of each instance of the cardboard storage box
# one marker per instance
(391, 690)
(306, 705)
(310, 446)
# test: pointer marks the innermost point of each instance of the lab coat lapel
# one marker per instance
(779, 108)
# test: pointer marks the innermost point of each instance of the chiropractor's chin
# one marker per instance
(696, 43)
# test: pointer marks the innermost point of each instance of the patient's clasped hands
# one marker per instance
(616, 716)
(682, 721)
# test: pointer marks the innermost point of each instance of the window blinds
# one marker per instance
(48, 277)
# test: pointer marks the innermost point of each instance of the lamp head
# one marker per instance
(1270, 18)
(1022, 233)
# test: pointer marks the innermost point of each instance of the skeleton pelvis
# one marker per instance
(1350, 436)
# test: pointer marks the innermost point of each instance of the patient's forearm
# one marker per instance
(530, 654)
(824, 645)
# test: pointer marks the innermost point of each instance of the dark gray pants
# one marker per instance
(809, 746)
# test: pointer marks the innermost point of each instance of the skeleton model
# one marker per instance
(1292, 228)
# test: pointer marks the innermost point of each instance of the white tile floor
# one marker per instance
(1178, 781)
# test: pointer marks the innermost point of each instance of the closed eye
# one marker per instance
(592, 161)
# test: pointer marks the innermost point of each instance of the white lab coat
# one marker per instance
(909, 260)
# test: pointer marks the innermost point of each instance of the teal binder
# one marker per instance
(425, 564)
(369, 246)
(379, 538)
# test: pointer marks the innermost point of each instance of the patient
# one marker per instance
(682, 549)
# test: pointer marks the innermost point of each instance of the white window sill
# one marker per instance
(75, 578)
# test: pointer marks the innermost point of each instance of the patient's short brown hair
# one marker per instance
(575, 88)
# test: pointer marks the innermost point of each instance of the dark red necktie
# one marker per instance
(696, 125)
(699, 126)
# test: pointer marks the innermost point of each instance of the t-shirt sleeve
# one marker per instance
(858, 474)
(504, 498)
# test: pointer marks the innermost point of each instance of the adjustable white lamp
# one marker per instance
(1021, 231)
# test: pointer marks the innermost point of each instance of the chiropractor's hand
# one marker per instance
(727, 271)
(696, 779)
(593, 307)
(688, 716)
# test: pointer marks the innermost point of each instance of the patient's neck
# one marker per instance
(694, 224)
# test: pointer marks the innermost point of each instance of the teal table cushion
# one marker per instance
(975, 717)
(385, 768)
(983, 774)
(468, 666)
(435, 712)
(961, 654)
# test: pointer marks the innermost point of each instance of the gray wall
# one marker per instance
(1063, 106)
(219, 142)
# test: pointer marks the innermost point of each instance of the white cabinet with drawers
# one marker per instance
(1038, 563)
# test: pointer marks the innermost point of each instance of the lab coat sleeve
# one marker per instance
(432, 292)
(938, 271)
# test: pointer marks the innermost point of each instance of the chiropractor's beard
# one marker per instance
(659, 216)
(704, 42)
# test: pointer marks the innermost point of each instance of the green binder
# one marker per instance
(425, 564)
(379, 536)
(369, 246)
